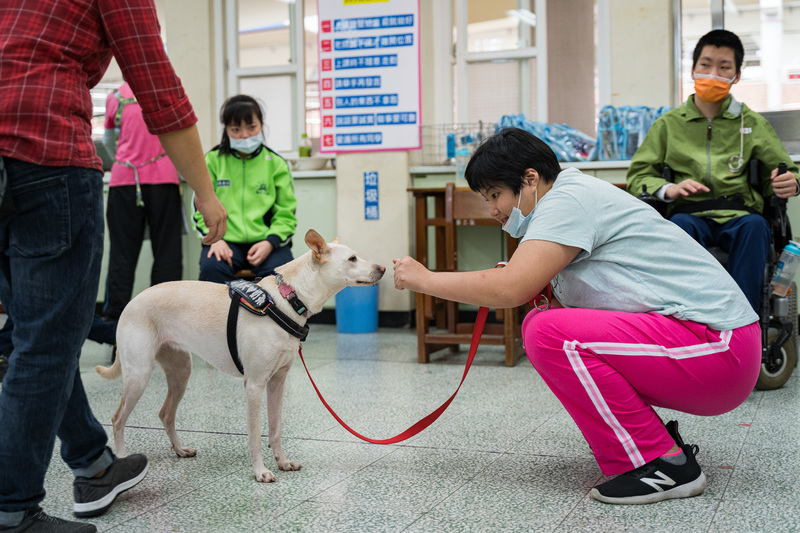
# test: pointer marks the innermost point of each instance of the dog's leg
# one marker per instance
(275, 388)
(133, 385)
(255, 392)
(177, 365)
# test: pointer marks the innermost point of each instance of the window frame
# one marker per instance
(229, 73)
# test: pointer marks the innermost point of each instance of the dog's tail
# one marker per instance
(110, 372)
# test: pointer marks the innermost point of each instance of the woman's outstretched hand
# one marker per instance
(409, 274)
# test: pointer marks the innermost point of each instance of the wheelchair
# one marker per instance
(777, 315)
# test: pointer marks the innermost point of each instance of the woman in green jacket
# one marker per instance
(255, 186)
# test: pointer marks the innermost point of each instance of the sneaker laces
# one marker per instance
(41, 516)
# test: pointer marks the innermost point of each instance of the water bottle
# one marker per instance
(305, 146)
(462, 158)
(451, 145)
(787, 266)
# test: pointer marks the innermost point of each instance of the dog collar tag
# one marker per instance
(287, 291)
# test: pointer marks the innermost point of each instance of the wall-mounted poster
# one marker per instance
(369, 75)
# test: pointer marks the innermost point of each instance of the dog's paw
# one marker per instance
(185, 452)
(264, 476)
(288, 465)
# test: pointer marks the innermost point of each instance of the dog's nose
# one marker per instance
(382, 268)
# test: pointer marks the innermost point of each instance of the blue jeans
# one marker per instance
(746, 240)
(50, 253)
(220, 271)
(101, 332)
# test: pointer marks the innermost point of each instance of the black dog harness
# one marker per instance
(256, 300)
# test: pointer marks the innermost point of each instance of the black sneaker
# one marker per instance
(93, 496)
(672, 429)
(655, 481)
(37, 521)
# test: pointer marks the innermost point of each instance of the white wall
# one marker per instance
(641, 53)
(384, 239)
(190, 38)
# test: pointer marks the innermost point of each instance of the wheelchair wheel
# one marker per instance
(774, 376)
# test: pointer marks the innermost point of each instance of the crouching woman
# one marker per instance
(642, 316)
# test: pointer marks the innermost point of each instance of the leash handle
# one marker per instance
(477, 331)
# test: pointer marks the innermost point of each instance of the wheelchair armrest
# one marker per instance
(666, 173)
(752, 174)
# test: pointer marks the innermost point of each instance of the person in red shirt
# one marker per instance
(51, 233)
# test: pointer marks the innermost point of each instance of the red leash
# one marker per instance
(431, 418)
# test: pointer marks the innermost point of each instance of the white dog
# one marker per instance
(170, 321)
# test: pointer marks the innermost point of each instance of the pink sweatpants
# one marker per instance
(609, 368)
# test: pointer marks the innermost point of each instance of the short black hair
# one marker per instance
(235, 110)
(502, 159)
(720, 38)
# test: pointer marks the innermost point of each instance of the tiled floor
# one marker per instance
(504, 457)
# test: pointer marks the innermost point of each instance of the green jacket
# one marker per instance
(698, 148)
(257, 192)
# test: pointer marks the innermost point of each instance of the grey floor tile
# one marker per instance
(229, 504)
(505, 456)
(766, 514)
(315, 517)
(515, 493)
(688, 515)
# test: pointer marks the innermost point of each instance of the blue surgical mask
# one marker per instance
(248, 145)
(517, 225)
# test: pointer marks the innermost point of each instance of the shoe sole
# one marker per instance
(687, 490)
(98, 507)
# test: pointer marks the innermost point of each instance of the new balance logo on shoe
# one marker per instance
(656, 483)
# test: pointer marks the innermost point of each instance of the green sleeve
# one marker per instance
(770, 152)
(199, 224)
(648, 161)
(284, 221)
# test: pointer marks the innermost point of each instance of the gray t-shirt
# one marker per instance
(631, 258)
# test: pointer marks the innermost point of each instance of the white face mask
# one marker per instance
(517, 225)
(248, 145)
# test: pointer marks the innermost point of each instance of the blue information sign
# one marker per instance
(371, 211)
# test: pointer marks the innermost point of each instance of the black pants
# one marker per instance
(220, 271)
(126, 225)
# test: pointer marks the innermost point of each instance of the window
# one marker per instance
(770, 33)
(500, 59)
(264, 52)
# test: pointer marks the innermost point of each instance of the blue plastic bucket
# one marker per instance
(357, 309)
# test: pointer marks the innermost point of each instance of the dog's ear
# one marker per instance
(316, 243)
(335, 240)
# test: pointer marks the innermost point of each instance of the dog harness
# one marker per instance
(255, 299)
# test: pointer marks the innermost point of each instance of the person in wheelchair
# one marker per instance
(706, 143)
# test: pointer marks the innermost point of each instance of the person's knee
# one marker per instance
(685, 221)
(278, 257)
(216, 271)
(758, 227)
(682, 219)
(537, 335)
(752, 237)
